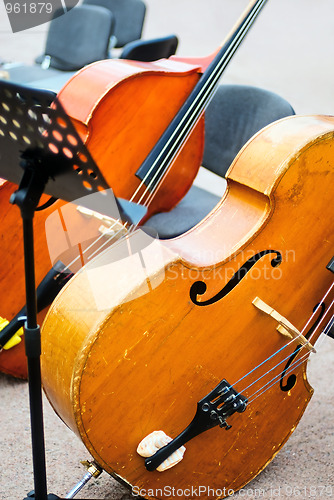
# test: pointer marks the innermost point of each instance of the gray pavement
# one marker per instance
(289, 51)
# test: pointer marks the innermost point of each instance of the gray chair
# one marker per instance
(129, 18)
(78, 38)
(234, 115)
(75, 39)
(150, 50)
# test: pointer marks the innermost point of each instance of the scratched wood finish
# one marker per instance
(115, 375)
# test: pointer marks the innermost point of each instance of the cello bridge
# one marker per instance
(284, 326)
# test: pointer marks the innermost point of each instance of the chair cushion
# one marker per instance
(234, 115)
(23, 73)
(196, 204)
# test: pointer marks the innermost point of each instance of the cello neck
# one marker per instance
(157, 163)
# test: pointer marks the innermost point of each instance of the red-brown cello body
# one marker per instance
(96, 99)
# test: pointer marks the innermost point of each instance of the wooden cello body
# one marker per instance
(117, 371)
(121, 131)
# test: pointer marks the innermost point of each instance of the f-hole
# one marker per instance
(199, 287)
(292, 379)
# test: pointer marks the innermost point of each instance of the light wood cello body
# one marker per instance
(115, 374)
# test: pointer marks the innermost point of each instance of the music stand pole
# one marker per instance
(27, 198)
(37, 135)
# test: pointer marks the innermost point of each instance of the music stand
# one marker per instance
(37, 136)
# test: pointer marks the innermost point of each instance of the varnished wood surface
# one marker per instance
(120, 131)
(116, 375)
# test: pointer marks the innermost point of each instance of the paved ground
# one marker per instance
(289, 51)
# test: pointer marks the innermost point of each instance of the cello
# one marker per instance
(142, 365)
(217, 333)
(105, 141)
(105, 89)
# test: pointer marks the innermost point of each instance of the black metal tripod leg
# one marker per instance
(33, 350)
(27, 198)
(32, 337)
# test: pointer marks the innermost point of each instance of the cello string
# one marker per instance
(318, 306)
(292, 367)
(289, 343)
(209, 84)
(109, 241)
(286, 345)
(266, 373)
(277, 377)
(130, 229)
(285, 359)
(76, 259)
(274, 380)
(216, 74)
(199, 104)
(277, 352)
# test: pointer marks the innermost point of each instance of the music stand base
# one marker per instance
(51, 496)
